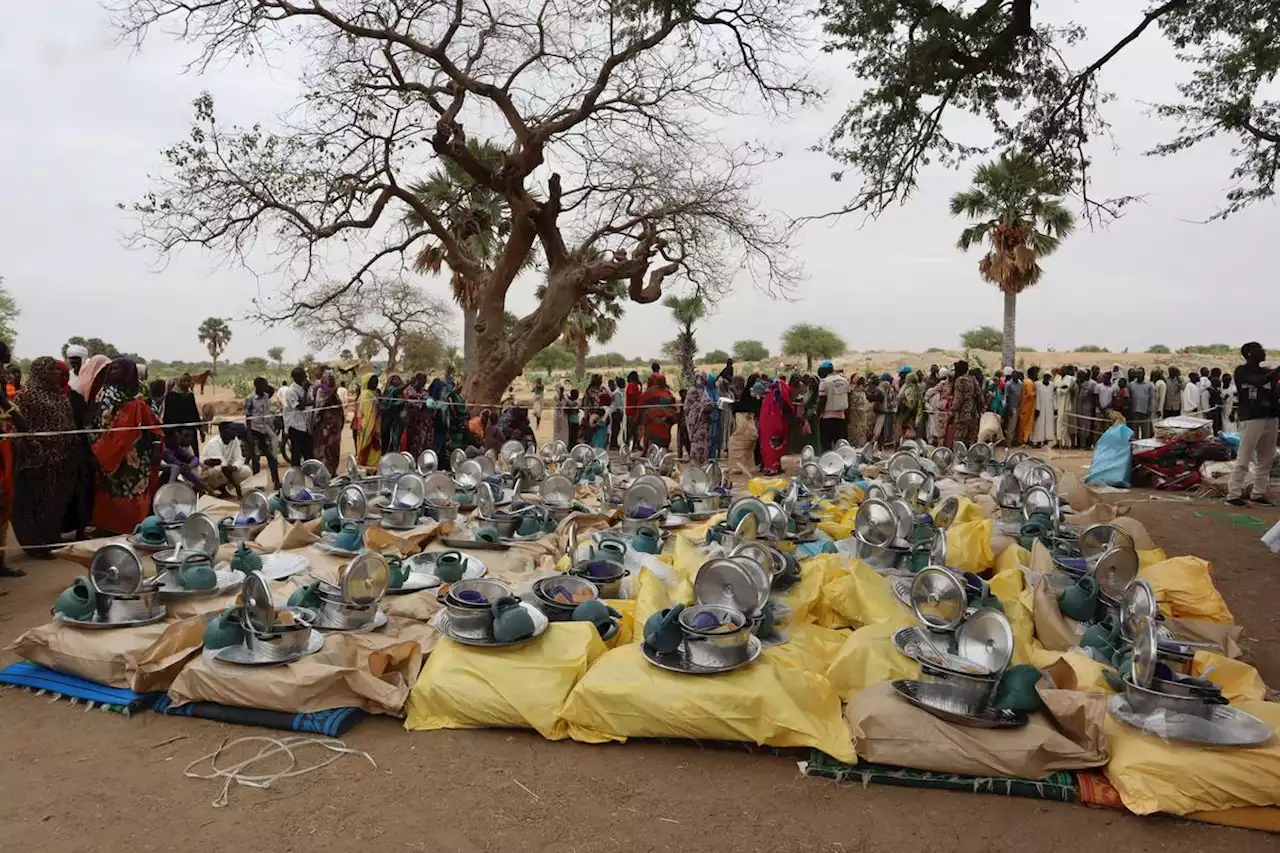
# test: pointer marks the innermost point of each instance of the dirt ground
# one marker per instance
(72, 781)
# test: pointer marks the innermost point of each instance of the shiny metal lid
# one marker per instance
(116, 570)
(364, 580)
(986, 638)
(938, 598)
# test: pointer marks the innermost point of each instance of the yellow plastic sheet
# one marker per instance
(768, 703)
(969, 546)
(868, 657)
(805, 597)
(1154, 776)
(522, 687)
(759, 486)
(1184, 587)
(968, 511)
(811, 648)
(651, 597)
(1014, 558)
(861, 596)
(1238, 680)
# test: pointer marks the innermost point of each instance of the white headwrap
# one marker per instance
(77, 351)
(1008, 371)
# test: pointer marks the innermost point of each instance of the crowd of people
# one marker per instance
(96, 438)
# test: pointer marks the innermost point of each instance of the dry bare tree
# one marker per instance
(611, 116)
(376, 310)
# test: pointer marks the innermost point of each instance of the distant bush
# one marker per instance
(608, 359)
(1158, 349)
(1211, 349)
(1024, 349)
(1091, 348)
(935, 349)
(984, 337)
(716, 356)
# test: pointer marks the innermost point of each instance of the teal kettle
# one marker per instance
(511, 622)
(78, 601)
(646, 540)
(662, 631)
(223, 630)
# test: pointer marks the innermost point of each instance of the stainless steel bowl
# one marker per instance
(631, 526)
(605, 574)
(243, 532)
(338, 614)
(715, 636)
(707, 503)
(441, 512)
(974, 689)
(1147, 701)
(469, 602)
(302, 510)
(506, 525)
(129, 608)
(884, 557)
(552, 593)
(400, 518)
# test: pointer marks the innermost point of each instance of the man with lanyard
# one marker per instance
(1256, 409)
(296, 399)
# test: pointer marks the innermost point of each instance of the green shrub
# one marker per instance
(1158, 349)
(1091, 348)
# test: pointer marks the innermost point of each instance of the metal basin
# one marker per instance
(884, 557)
(469, 602)
(715, 636)
(506, 525)
(559, 595)
(605, 574)
(1146, 701)
(302, 510)
(128, 608)
(401, 518)
(972, 688)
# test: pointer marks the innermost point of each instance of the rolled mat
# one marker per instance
(1060, 787)
(334, 722)
(33, 676)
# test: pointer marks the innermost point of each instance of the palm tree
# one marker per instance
(1019, 210)
(215, 334)
(686, 311)
(594, 318)
(479, 220)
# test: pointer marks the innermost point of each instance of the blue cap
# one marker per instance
(825, 364)
(906, 368)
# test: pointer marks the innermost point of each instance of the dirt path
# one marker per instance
(72, 781)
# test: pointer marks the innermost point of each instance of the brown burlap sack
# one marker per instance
(141, 659)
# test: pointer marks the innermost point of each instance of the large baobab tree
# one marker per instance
(616, 164)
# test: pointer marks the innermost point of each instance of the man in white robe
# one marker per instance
(1044, 430)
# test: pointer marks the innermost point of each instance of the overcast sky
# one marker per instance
(84, 121)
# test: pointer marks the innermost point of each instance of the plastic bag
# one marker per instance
(862, 596)
(1184, 587)
(1111, 458)
(969, 546)
(868, 657)
(1152, 775)
(523, 686)
(767, 703)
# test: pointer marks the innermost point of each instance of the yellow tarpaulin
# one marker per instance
(523, 686)
(861, 597)
(624, 696)
(1184, 588)
(869, 657)
(969, 546)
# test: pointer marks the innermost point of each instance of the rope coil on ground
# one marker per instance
(271, 747)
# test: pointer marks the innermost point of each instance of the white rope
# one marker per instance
(271, 748)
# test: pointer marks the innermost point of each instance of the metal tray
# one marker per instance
(481, 545)
(936, 698)
(281, 565)
(158, 615)
(425, 562)
(679, 661)
(379, 622)
(540, 623)
(227, 581)
(1225, 726)
(243, 656)
(137, 542)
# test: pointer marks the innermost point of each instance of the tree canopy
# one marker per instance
(812, 342)
(984, 338)
(215, 334)
(614, 165)
(276, 354)
(8, 315)
(716, 356)
(750, 351)
(380, 311)
(1011, 65)
(95, 346)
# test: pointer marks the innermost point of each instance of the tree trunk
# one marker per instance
(579, 362)
(1010, 327)
(808, 361)
(393, 357)
(470, 361)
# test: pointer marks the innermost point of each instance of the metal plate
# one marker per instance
(488, 468)
(902, 461)
(945, 515)
(876, 522)
(658, 484)
(244, 656)
(457, 458)
(281, 565)
(327, 545)
(1043, 476)
(511, 453)
(943, 457)
(728, 583)
(557, 490)
(986, 639)
(393, 465)
(1097, 538)
(156, 616)
(1114, 570)
(761, 576)
(940, 699)
(316, 472)
(1008, 491)
(409, 492)
(169, 587)
(1225, 726)
(254, 508)
(715, 474)
(938, 598)
(906, 518)
(914, 485)
(979, 455)
(581, 453)
(469, 474)
(695, 481)
(1138, 604)
(540, 623)
(679, 661)
(481, 545)
(831, 463)
(777, 521)
(914, 643)
(486, 504)
(377, 623)
(1038, 499)
(425, 563)
(438, 488)
(428, 462)
(606, 486)
(364, 580)
(535, 468)
(807, 454)
(642, 493)
(198, 533)
(116, 570)
(1144, 653)
(353, 504)
(811, 476)
(174, 501)
(259, 610)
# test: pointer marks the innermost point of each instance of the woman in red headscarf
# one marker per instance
(775, 418)
(127, 448)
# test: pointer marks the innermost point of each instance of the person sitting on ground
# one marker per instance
(179, 457)
(222, 462)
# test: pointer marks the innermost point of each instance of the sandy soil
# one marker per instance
(73, 781)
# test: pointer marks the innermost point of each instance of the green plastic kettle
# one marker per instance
(662, 630)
